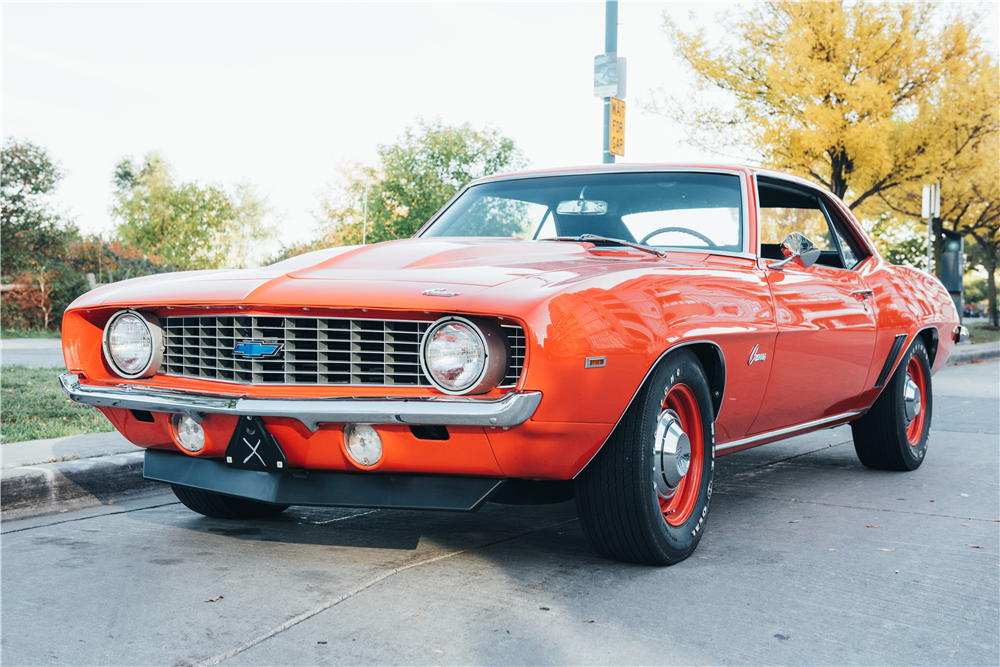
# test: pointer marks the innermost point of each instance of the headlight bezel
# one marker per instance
(152, 324)
(495, 346)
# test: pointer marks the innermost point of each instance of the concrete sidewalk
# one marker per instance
(967, 354)
(39, 475)
(68, 448)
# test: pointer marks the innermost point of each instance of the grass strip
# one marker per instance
(979, 333)
(33, 406)
(29, 333)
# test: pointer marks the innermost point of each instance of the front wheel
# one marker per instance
(892, 435)
(645, 496)
(218, 506)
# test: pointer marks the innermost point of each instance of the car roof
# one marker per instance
(643, 167)
(611, 168)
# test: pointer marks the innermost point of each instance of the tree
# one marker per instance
(181, 223)
(31, 233)
(34, 239)
(854, 96)
(986, 253)
(970, 205)
(414, 178)
(253, 226)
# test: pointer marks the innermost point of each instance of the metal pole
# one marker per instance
(930, 235)
(610, 46)
(933, 211)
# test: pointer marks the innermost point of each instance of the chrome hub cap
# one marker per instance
(911, 399)
(671, 453)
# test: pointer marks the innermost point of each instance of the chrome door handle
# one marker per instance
(862, 296)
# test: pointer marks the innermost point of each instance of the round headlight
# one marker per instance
(454, 356)
(462, 356)
(131, 343)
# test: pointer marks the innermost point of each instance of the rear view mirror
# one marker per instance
(799, 249)
(582, 207)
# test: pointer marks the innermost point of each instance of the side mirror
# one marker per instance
(799, 249)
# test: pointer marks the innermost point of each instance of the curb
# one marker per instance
(38, 489)
(967, 354)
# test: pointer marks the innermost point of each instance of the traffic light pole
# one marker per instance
(610, 46)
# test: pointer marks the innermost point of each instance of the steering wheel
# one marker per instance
(683, 230)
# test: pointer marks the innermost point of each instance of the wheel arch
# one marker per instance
(713, 362)
(929, 334)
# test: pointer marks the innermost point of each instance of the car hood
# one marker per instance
(392, 275)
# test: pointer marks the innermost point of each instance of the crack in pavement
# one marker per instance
(87, 518)
(853, 507)
(304, 616)
(795, 456)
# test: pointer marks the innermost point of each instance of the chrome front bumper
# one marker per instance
(510, 410)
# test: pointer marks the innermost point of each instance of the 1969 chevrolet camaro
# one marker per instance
(602, 333)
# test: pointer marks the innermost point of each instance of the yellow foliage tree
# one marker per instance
(855, 96)
(970, 205)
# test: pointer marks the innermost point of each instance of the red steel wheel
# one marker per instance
(914, 390)
(893, 434)
(645, 497)
(678, 505)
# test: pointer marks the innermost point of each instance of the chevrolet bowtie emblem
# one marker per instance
(440, 292)
(256, 349)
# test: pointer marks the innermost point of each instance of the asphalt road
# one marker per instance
(808, 558)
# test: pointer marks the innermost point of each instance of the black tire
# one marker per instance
(619, 507)
(218, 506)
(883, 437)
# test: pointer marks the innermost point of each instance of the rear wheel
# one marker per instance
(893, 433)
(218, 506)
(645, 496)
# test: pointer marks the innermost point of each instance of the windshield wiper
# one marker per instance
(594, 238)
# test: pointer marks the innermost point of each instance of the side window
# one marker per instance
(846, 249)
(785, 209)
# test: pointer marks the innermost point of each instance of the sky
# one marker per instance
(281, 95)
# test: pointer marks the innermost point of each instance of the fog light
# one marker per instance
(188, 433)
(363, 444)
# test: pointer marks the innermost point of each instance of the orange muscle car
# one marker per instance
(599, 333)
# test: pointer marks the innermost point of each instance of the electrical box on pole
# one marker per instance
(953, 266)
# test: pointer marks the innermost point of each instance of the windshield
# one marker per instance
(663, 209)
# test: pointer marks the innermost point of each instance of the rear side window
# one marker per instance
(785, 208)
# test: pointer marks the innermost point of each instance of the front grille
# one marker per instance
(314, 351)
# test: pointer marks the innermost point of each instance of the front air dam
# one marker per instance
(323, 489)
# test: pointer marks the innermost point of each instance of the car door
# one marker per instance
(824, 313)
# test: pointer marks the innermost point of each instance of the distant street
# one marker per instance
(809, 558)
(37, 352)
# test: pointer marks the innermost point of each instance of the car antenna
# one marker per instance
(364, 220)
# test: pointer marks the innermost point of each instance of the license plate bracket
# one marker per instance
(252, 447)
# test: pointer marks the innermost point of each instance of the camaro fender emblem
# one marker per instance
(439, 292)
(756, 356)
(256, 349)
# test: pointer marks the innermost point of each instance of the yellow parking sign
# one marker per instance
(616, 129)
